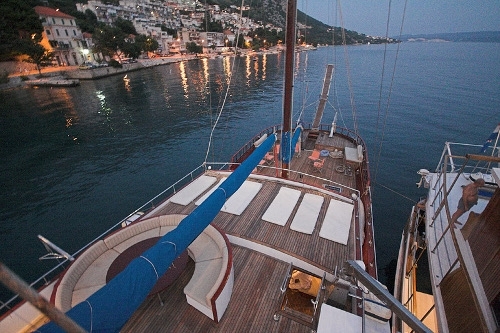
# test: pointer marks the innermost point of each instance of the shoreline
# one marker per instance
(55, 76)
(52, 76)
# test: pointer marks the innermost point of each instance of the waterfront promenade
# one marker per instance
(19, 78)
(21, 74)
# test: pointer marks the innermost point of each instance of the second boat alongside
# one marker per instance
(452, 241)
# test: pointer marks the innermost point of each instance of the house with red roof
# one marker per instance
(62, 36)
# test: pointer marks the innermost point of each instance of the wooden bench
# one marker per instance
(209, 290)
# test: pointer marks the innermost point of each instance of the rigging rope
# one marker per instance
(381, 141)
(394, 191)
(230, 76)
(349, 81)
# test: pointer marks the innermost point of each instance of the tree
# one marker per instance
(87, 21)
(36, 53)
(169, 31)
(126, 26)
(194, 48)
(18, 21)
(147, 44)
(108, 41)
(132, 50)
(211, 26)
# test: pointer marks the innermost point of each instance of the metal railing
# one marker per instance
(448, 164)
(148, 206)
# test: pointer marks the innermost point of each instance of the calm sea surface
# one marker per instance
(75, 161)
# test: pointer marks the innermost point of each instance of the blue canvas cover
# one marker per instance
(287, 146)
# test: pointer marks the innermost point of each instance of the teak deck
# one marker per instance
(256, 293)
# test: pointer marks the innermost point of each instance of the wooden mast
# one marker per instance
(286, 136)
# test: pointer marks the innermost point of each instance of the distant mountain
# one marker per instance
(479, 36)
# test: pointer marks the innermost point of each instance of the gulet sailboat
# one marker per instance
(281, 238)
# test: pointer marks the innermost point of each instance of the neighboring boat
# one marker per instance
(460, 260)
(281, 238)
(55, 81)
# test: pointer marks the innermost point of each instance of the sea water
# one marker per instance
(75, 161)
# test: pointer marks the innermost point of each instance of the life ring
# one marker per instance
(340, 168)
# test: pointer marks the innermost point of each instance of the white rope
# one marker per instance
(172, 243)
(223, 190)
(157, 276)
(91, 315)
(227, 91)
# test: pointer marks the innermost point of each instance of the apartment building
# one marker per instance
(62, 36)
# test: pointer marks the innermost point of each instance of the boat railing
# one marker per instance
(445, 189)
(300, 175)
(250, 145)
(148, 206)
(382, 294)
(453, 164)
(460, 257)
(365, 170)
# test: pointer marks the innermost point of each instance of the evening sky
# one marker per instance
(421, 16)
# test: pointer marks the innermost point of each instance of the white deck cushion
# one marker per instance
(206, 195)
(239, 201)
(337, 222)
(95, 275)
(199, 288)
(351, 155)
(282, 206)
(189, 193)
(307, 214)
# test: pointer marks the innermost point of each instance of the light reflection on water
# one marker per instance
(77, 160)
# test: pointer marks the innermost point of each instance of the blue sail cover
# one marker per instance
(109, 308)
(287, 148)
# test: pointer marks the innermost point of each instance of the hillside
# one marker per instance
(316, 33)
(478, 36)
(274, 13)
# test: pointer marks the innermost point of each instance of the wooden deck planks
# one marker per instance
(257, 277)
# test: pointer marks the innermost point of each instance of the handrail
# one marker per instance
(51, 273)
(384, 295)
(300, 174)
(460, 257)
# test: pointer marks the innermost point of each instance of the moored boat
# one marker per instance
(452, 242)
(53, 82)
(281, 238)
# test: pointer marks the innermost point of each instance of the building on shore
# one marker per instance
(62, 36)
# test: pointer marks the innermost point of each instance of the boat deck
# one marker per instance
(258, 277)
(255, 299)
(439, 240)
(314, 227)
(250, 225)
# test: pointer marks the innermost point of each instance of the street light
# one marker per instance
(85, 54)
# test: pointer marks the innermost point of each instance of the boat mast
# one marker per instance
(291, 16)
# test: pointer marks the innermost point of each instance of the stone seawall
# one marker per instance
(20, 79)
